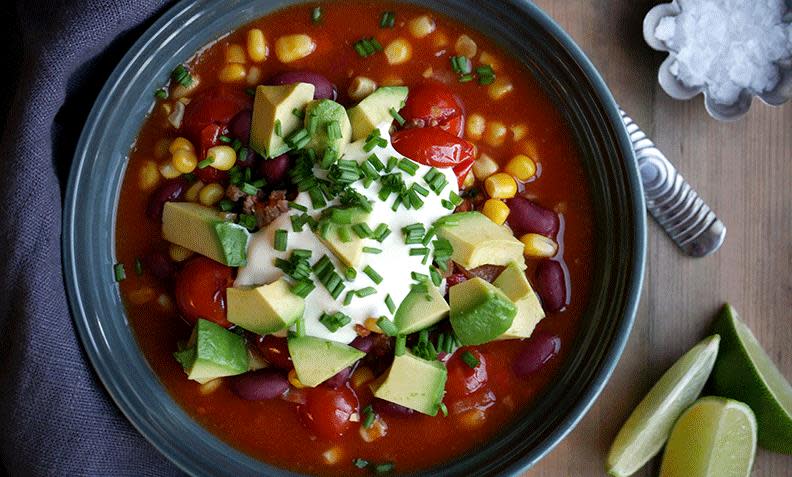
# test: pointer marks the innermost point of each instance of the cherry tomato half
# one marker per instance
(215, 106)
(326, 411)
(434, 104)
(462, 379)
(201, 290)
(433, 147)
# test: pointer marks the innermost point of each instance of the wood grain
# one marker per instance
(744, 170)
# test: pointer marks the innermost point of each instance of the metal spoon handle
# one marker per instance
(679, 210)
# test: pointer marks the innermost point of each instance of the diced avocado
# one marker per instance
(316, 360)
(337, 218)
(515, 286)
(273, 117)
(265, 309)
(479, 241)
(421, 308)
(327, 118)
(479, 311)
(213, 352)
(202, 230)
(376, 108)
(413, 382)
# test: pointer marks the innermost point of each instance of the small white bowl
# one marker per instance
(678, 90)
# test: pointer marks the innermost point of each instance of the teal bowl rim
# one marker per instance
(88, 240)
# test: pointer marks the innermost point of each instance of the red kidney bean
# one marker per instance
(261, 384)
(455, 279)
(340, 378)
(247, 158)
(551, 285)
(324, 88)
(239, 126)
(159, 265)
(276, 169)
(363, 343)
(528, 217)
(276, 351)
(167, 192)
(382, 406)
(540, 348)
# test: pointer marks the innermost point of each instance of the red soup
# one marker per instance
(358, 246)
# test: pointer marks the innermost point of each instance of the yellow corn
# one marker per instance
(180, 143)
(486, 58)
(378, 429)
(294, 47)
(465, 46)
(475, 126)
(428, 72)
(256, 45)
(500, 88)
(211, 386)
(484, 166)
(167, 170)
(421, 26)
(224, 157)
(362, 376)
(294, 380)
(360, 87)
(232, 73)
(211, 194)
(521, 167)
(496, 210)
(470, 179)
(472, 419)
(392, 80)
(371, 325)
(519, 131)
(235, 54)
(253, 76)
(332, 455)
(538, 246)
(149, 176)
(191, 195)
(141, 296)
(178, 253)
(495, 133)
(398, 51)
(500, 186)
(440, 40)
(184, 161)
(180, 91)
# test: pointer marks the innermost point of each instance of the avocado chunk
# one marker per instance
(265, 309)
(421, 308)
(479, 311)
(335, 231)
(515, 286)
(413, 382)
(202, 230)
(375, 109)
(213, 352)
(329, 125)
(479, 241)
(316, 360)
(273, 117)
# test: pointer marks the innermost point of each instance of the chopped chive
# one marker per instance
(138, 267)
(296, 206)
(182, 75)
(224, 139)
(384, 468)
(381, 232)
(161, 93)
(389, 303)
(368, 417)
(299, 327)
(316, 15)
(362, 230)
(454, 198)
(485, 74)
(387, 20)
(334, 322)
(366, 47)
(367, 291)
(375, 277)
(360, 463)
(443, 409)
(470, 359)
(281, 240)
(303, 288)
(436, 278)
(300, 114)
(247, 220)
(392, 161)
(249, 189)
(278, 128)
(344, 235)
(372, 250)
(398, 117)
(447, 204)
(350, 273)
(313, 123)
(206, 162)
(419, 277)
(333, 130)
(428, 237)
(466, 78)
(420, 189)
(119, 272)
(348, 298)
(418, 251)
(387, 326)
(408, 166)
(401, 345)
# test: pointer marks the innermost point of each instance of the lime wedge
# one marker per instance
(745, 372)
(715, 437)
(646, 430)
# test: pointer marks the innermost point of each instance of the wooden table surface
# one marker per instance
(744, 170)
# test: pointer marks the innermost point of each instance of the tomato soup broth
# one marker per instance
(519, 120)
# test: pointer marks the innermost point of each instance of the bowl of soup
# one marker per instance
(354, 238)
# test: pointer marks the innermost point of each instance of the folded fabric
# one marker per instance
(57, 418)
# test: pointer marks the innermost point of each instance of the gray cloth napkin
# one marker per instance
(55, 416)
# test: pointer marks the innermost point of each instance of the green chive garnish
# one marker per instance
(470, 359)
(350, 273)
(387, 326)
(436, 278)
(401, 345)
(372, 250)
(384, 468)
(120, 273)
(387, 20)
(316, 15)
(443, 409)
(360, 463)
(296, 206)
(389, 303)
(368, 416)
(335, 321)
(206, 162)
(364, 292)
(399, 119)
(161, 93)
(182, 75)
(418, 251)
(138, 267)
(299, 327)
(303, 288)
(281, 240)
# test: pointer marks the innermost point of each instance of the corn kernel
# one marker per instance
(294, 380)
(500, 88)
(500, 186)
(421, 26)
(496, 210)
(428, 72)
(538, 246)
(256, 45)
(398, 51)
(211, 194)
(362, 376)
(465, 46)
(470, 179)
(439, 40)
(332, 455)
(232, 73)
(184, 161)
(294, 47)
(472, 419)
(360, 87)
(371, 325)
(519, 131)
(141, 296)
(210, 386)
(167, 170)
(149, 176)
(486, 58)
(475, 126)
(484, 166)
(191, 195)
(180, 143)
(495, 133)
(392, 80)
(165, 302)
(521, 167)
(177, 253)
(235, 54)
(253, 76)
(224, 157)
(378, 429)
(180, 91)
